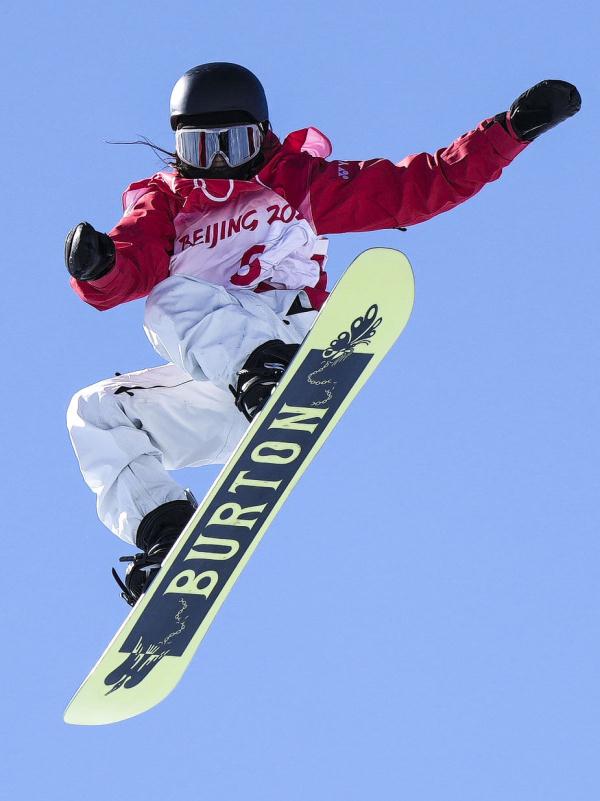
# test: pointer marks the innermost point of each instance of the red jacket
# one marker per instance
(174, 224)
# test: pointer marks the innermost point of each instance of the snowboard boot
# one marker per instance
(259, 376)
(156, 534)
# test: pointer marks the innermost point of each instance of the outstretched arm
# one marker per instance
(371, 195)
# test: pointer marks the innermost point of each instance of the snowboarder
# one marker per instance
(228, 246)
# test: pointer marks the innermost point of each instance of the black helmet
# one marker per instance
(221, 91)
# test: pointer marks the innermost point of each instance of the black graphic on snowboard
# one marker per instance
(238, 511)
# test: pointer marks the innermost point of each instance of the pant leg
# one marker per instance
(129, 430)
(210, 331)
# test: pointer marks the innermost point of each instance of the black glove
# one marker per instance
(542, 107)
(88, 254)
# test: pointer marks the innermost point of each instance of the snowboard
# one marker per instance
(367, 310)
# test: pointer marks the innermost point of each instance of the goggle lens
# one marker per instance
(199, 146)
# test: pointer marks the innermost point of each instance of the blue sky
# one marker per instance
(422, 620)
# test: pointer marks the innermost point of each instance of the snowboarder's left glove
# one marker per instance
(89, 254)
(542, 107)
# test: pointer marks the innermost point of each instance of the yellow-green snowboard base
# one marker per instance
(362, 318)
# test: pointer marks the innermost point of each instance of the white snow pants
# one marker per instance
(128, 431)
(213, 344)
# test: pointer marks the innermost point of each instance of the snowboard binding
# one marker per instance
(259, 376)
(156, 535)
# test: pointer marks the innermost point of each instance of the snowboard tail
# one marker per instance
(365, 313)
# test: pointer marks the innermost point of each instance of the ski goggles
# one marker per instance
(199, 146)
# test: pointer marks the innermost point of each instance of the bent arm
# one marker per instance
(371, 195)
(143, 240)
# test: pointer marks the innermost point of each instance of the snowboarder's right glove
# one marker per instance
(88, 254)
(542, 107)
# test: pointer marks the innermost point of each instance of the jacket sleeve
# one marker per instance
(144, 243)
(371, 195)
